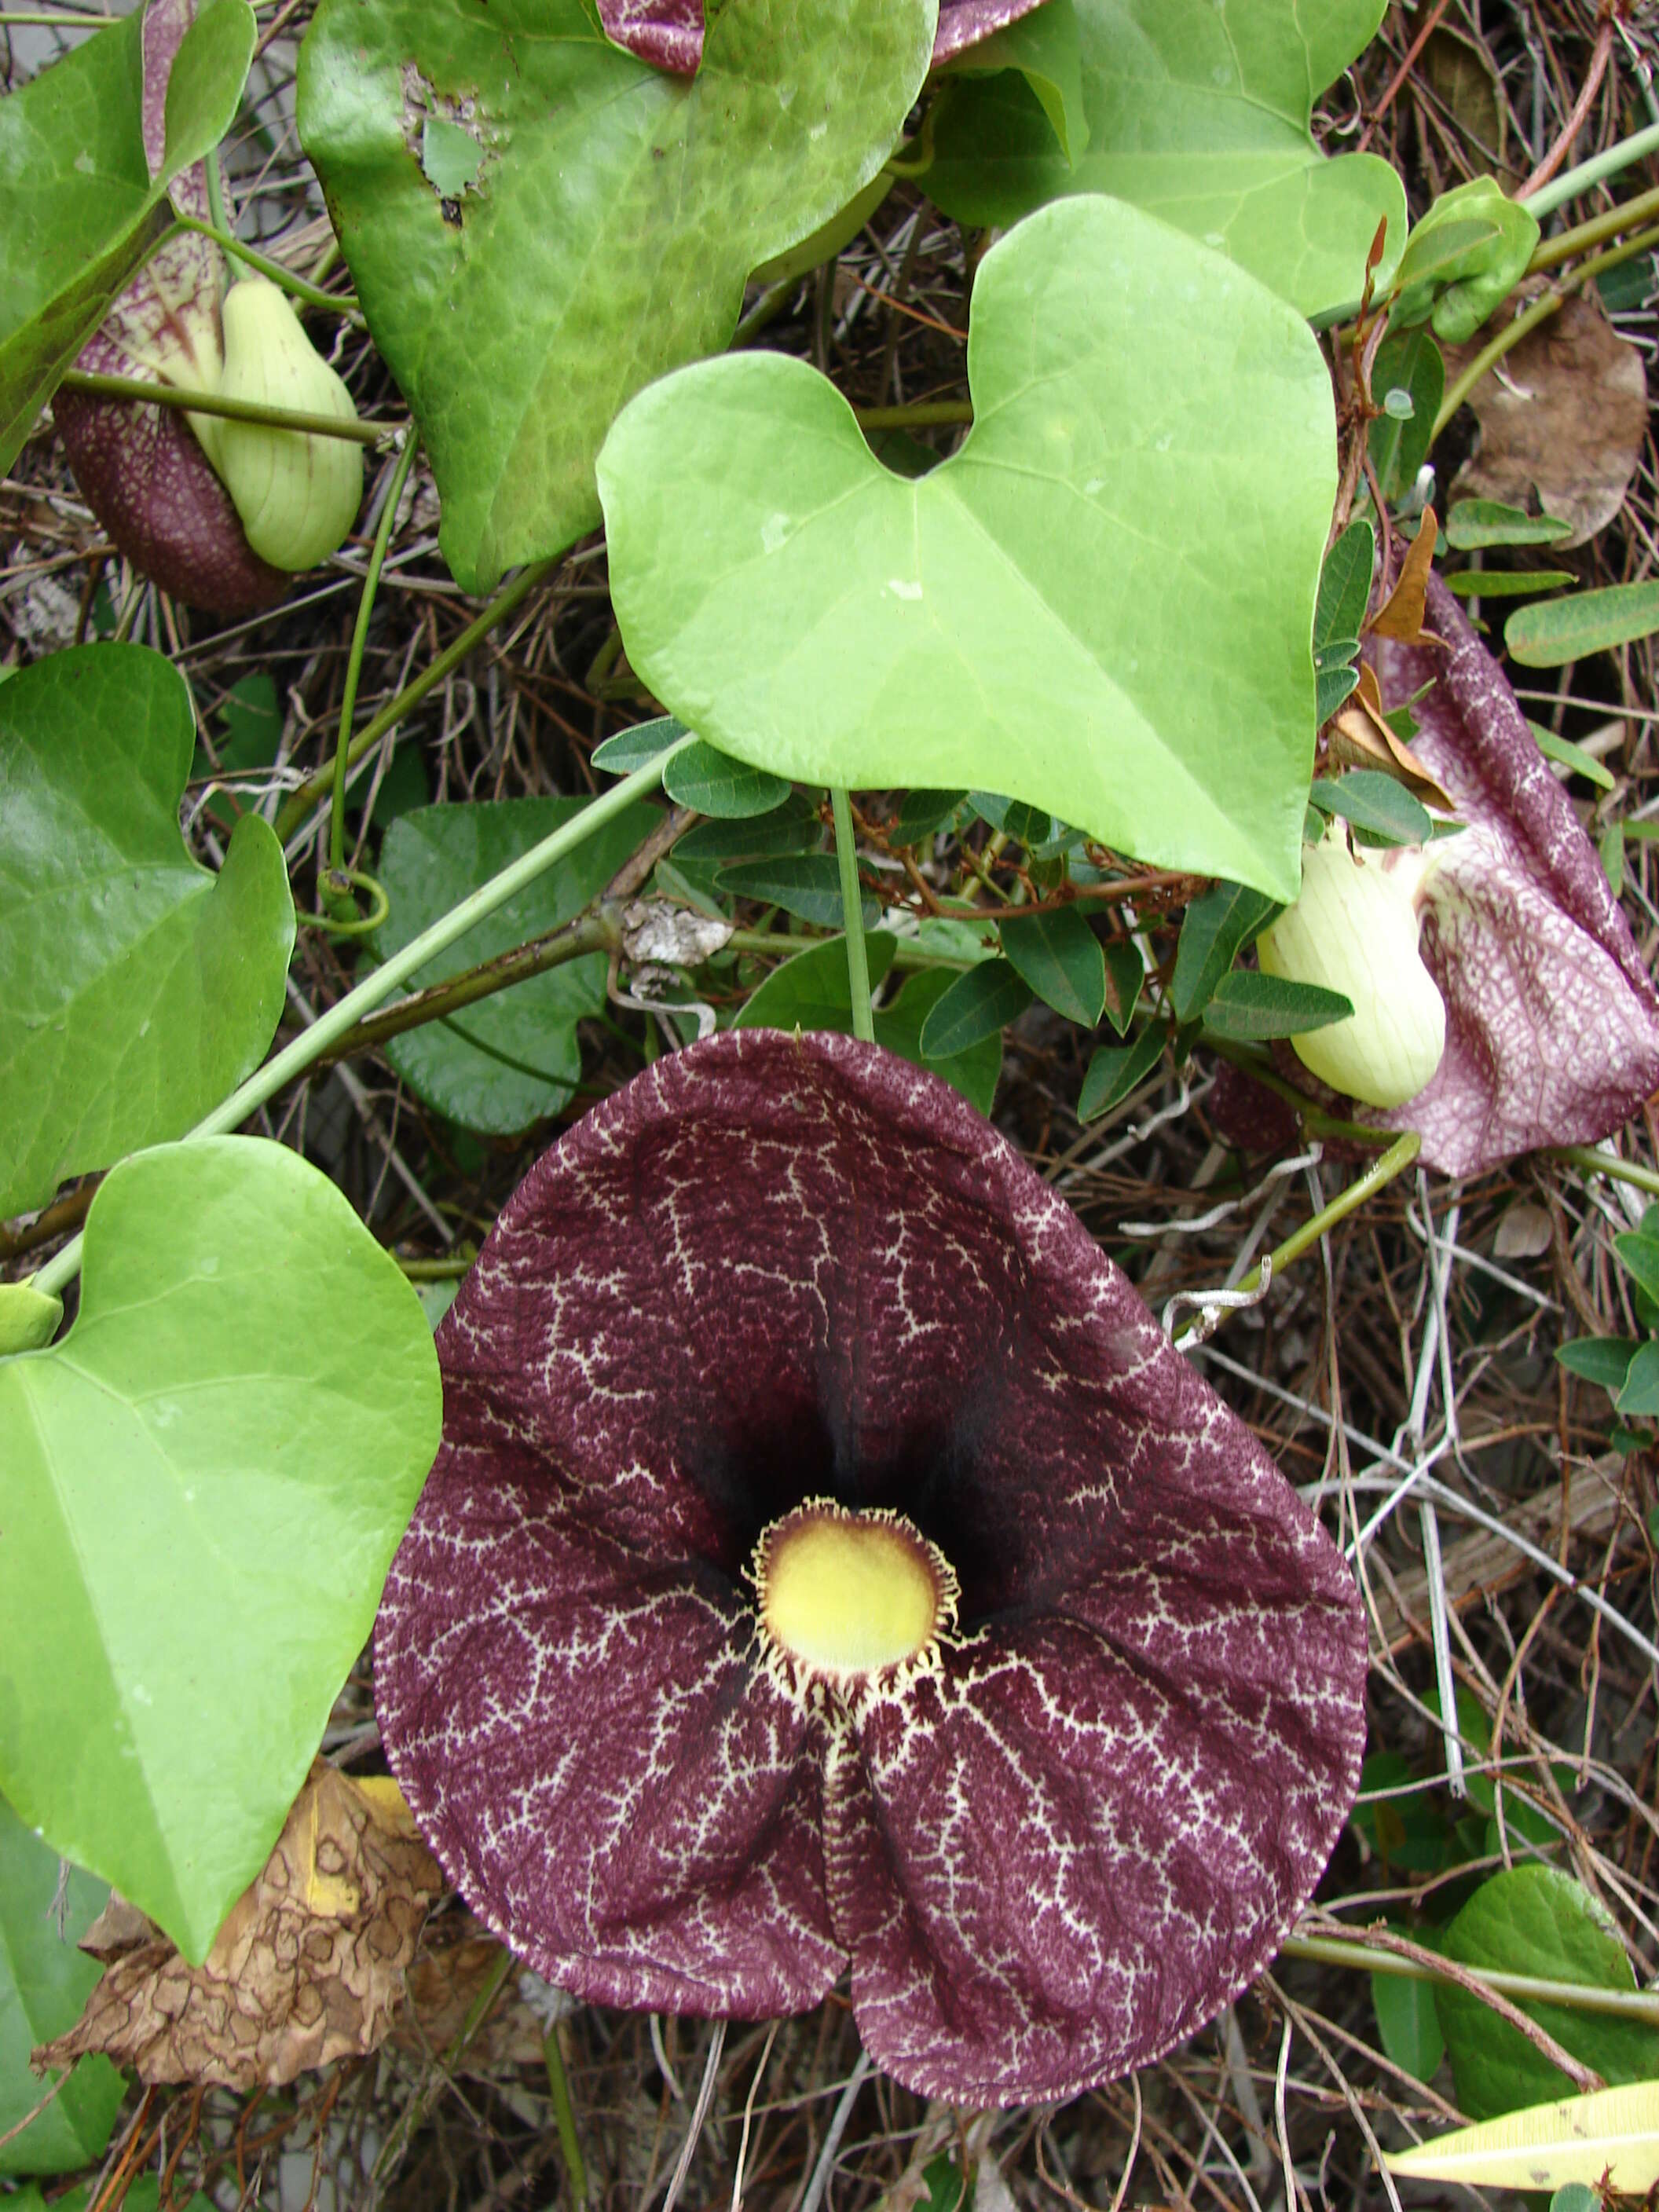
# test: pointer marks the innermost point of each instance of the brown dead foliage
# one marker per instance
(308, 1967)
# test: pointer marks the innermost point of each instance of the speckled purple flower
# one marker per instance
(669, 33)
(829, 1562)
(1552, 1021)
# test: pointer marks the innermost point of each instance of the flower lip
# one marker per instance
(843, 1597)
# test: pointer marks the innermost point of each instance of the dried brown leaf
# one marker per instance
(309, 1966)
(1401, 614)
(1562, 419)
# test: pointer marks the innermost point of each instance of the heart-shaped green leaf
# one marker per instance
(615, 216)
(1101, 605)
(44, 1982)
(135, 989)
(79, 206)
(1197, 110)
(512, 1059)
(203, 1485)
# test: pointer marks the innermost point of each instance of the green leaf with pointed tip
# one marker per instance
(807, 884)
(135, 989)
(976, 1005)
(806, 611)
(1044, 47)
(1536, 1920)
(1640, 1393)
(810, 991)
(1117, 1069)
(1060, 957)
(1198, 111)
(1217, 927)
(1408, 363)
(1249, 1007)
(1376, 802)
(1125, 971)
(508, 1060)
(203, 1486)
(632, 749)
(1345, 587)
(79, 209)
(43, 1983)
(617, 214)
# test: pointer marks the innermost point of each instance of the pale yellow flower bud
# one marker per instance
(1354, 930)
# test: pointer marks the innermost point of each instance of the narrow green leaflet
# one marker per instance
(1345, 587)
(1060, 957)
(1407, 2022)
(79, 209)
(1472, 524)
(1508, 583)
(632, 749)
(616, 213)
(1249, 1007)
(1117, 1069)
(1537, 1920)
(511, 1060)
(1603, 1359)
(135, 989)
(922, 814)
(1559, 630)
(707, 779)
(1198, 111)
(203, 1486)
(810, 991)
(807, 885)
(43, 1983)
(1044, 47)
(1219, 925)
(1408, 381)
(1125, 971)
(978, 1005)
(1376, 802)
(807, 611)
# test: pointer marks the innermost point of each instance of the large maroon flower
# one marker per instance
(829, 1561)
(1552, 1021)
(669, 33)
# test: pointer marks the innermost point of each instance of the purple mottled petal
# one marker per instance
(669, 33)
(649, 1835)
(777, 1267)
(1552, 1021)
(141, 470)
(153, 488)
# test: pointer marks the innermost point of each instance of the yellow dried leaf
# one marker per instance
(1614, 2132)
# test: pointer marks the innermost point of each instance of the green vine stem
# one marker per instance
(1399, 1155)
(215, 191)
(299, 1056)
(338, 303)
(1581, 1996)
(1572, 184)
(1587, 1159)
(234, 410)
(1528, 320)
(343, 919)
(315, 787)
(1553, 252)
(851, 910)
(359, 640)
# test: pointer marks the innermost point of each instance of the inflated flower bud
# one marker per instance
(1354, 930)
(297, 495)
